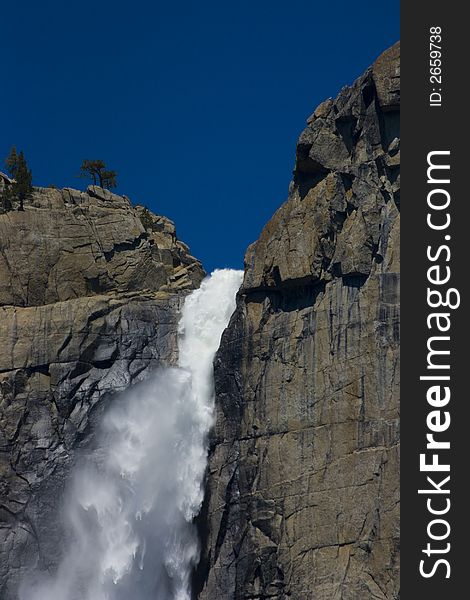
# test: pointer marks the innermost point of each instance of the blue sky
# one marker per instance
(196, 105)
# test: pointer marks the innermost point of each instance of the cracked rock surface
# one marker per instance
(89, 304)
(302, 498)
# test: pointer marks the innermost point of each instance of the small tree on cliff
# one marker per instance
(99, 174)
(24, 181)
(11, 162)
(23, 178)
(109, 179)
(146, 219)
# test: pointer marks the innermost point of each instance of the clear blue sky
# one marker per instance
(196, 105)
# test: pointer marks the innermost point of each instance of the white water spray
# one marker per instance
(131, 511)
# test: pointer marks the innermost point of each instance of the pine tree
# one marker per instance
(146, 219)
(108, 179)
(96, 169)
(11, 162)
(23, 185)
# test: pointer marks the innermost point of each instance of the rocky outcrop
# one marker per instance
(303, 488)
(70, 244)
(90, 292)
(5, 181)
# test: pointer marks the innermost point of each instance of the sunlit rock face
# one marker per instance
(90, 296)
(302, 483)
(130, 501)
(302, 494)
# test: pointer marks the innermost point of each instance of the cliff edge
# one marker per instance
(90, 292)
(302, 494)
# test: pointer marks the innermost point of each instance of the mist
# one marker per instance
(129, 508)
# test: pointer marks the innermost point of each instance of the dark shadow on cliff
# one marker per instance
(200, 572)
(288, 298)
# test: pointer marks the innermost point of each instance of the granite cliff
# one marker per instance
(302, 494)
(89, 303)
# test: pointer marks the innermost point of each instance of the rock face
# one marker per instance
(303, 484)
(70, 244)
(89, 301)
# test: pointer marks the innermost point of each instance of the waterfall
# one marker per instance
(130, 507)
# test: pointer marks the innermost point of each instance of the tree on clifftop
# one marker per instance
(22, 185)
(11, 162)
(146, 218)
(99, 174)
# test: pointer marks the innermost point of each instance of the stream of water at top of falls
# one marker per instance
(130, 511)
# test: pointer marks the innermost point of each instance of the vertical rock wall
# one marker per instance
(303, 483)
(89, 303)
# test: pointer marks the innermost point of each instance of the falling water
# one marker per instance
(131, 510)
